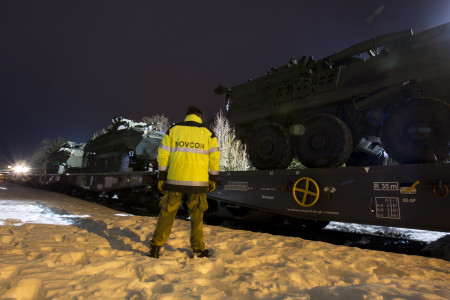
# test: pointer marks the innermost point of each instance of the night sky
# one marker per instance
(68, 67)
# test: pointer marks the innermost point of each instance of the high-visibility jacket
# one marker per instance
(188, 156)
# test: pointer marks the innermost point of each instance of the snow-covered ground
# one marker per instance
(59, 247)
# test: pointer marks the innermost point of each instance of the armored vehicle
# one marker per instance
(69, 158)
(385, 96)
(125, 146)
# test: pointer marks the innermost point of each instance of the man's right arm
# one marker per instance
(163, 156)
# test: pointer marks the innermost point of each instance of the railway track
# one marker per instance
(379, 242)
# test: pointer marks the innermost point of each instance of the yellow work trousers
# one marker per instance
(169, 205)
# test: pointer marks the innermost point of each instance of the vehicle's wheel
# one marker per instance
(417, 131)
(271, 147)
(244, 133)
(326, 142)
(98, 165)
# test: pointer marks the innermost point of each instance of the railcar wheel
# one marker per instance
(417, 131)
(125, 197)
(210, 216)
(271, 147)
(326, 142)
(152, 201)
(313, 225)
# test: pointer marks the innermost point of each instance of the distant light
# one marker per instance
(21, 169)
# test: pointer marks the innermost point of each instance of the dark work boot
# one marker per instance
(154, 252)
(200, 253)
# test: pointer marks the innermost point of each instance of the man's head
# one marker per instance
(194, 110)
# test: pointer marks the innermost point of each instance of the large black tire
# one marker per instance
(244, 133)
(271, 147)
(326, 142)
(417, 131)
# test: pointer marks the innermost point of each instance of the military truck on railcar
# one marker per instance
(389, 94)
(68, 158)
(125, 146)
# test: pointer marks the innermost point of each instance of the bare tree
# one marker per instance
(160, 121)
(233, 153)
(39, 159)
(101, 132)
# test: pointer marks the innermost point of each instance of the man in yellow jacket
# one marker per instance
(188, 163)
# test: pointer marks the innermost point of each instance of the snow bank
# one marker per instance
(99, 255)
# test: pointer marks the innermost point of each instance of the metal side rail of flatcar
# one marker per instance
(96, 182)
(129, 187)
(409, 196)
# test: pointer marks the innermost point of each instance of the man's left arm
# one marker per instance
(214, 158)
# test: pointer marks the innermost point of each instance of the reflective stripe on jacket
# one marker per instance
(188, 156)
